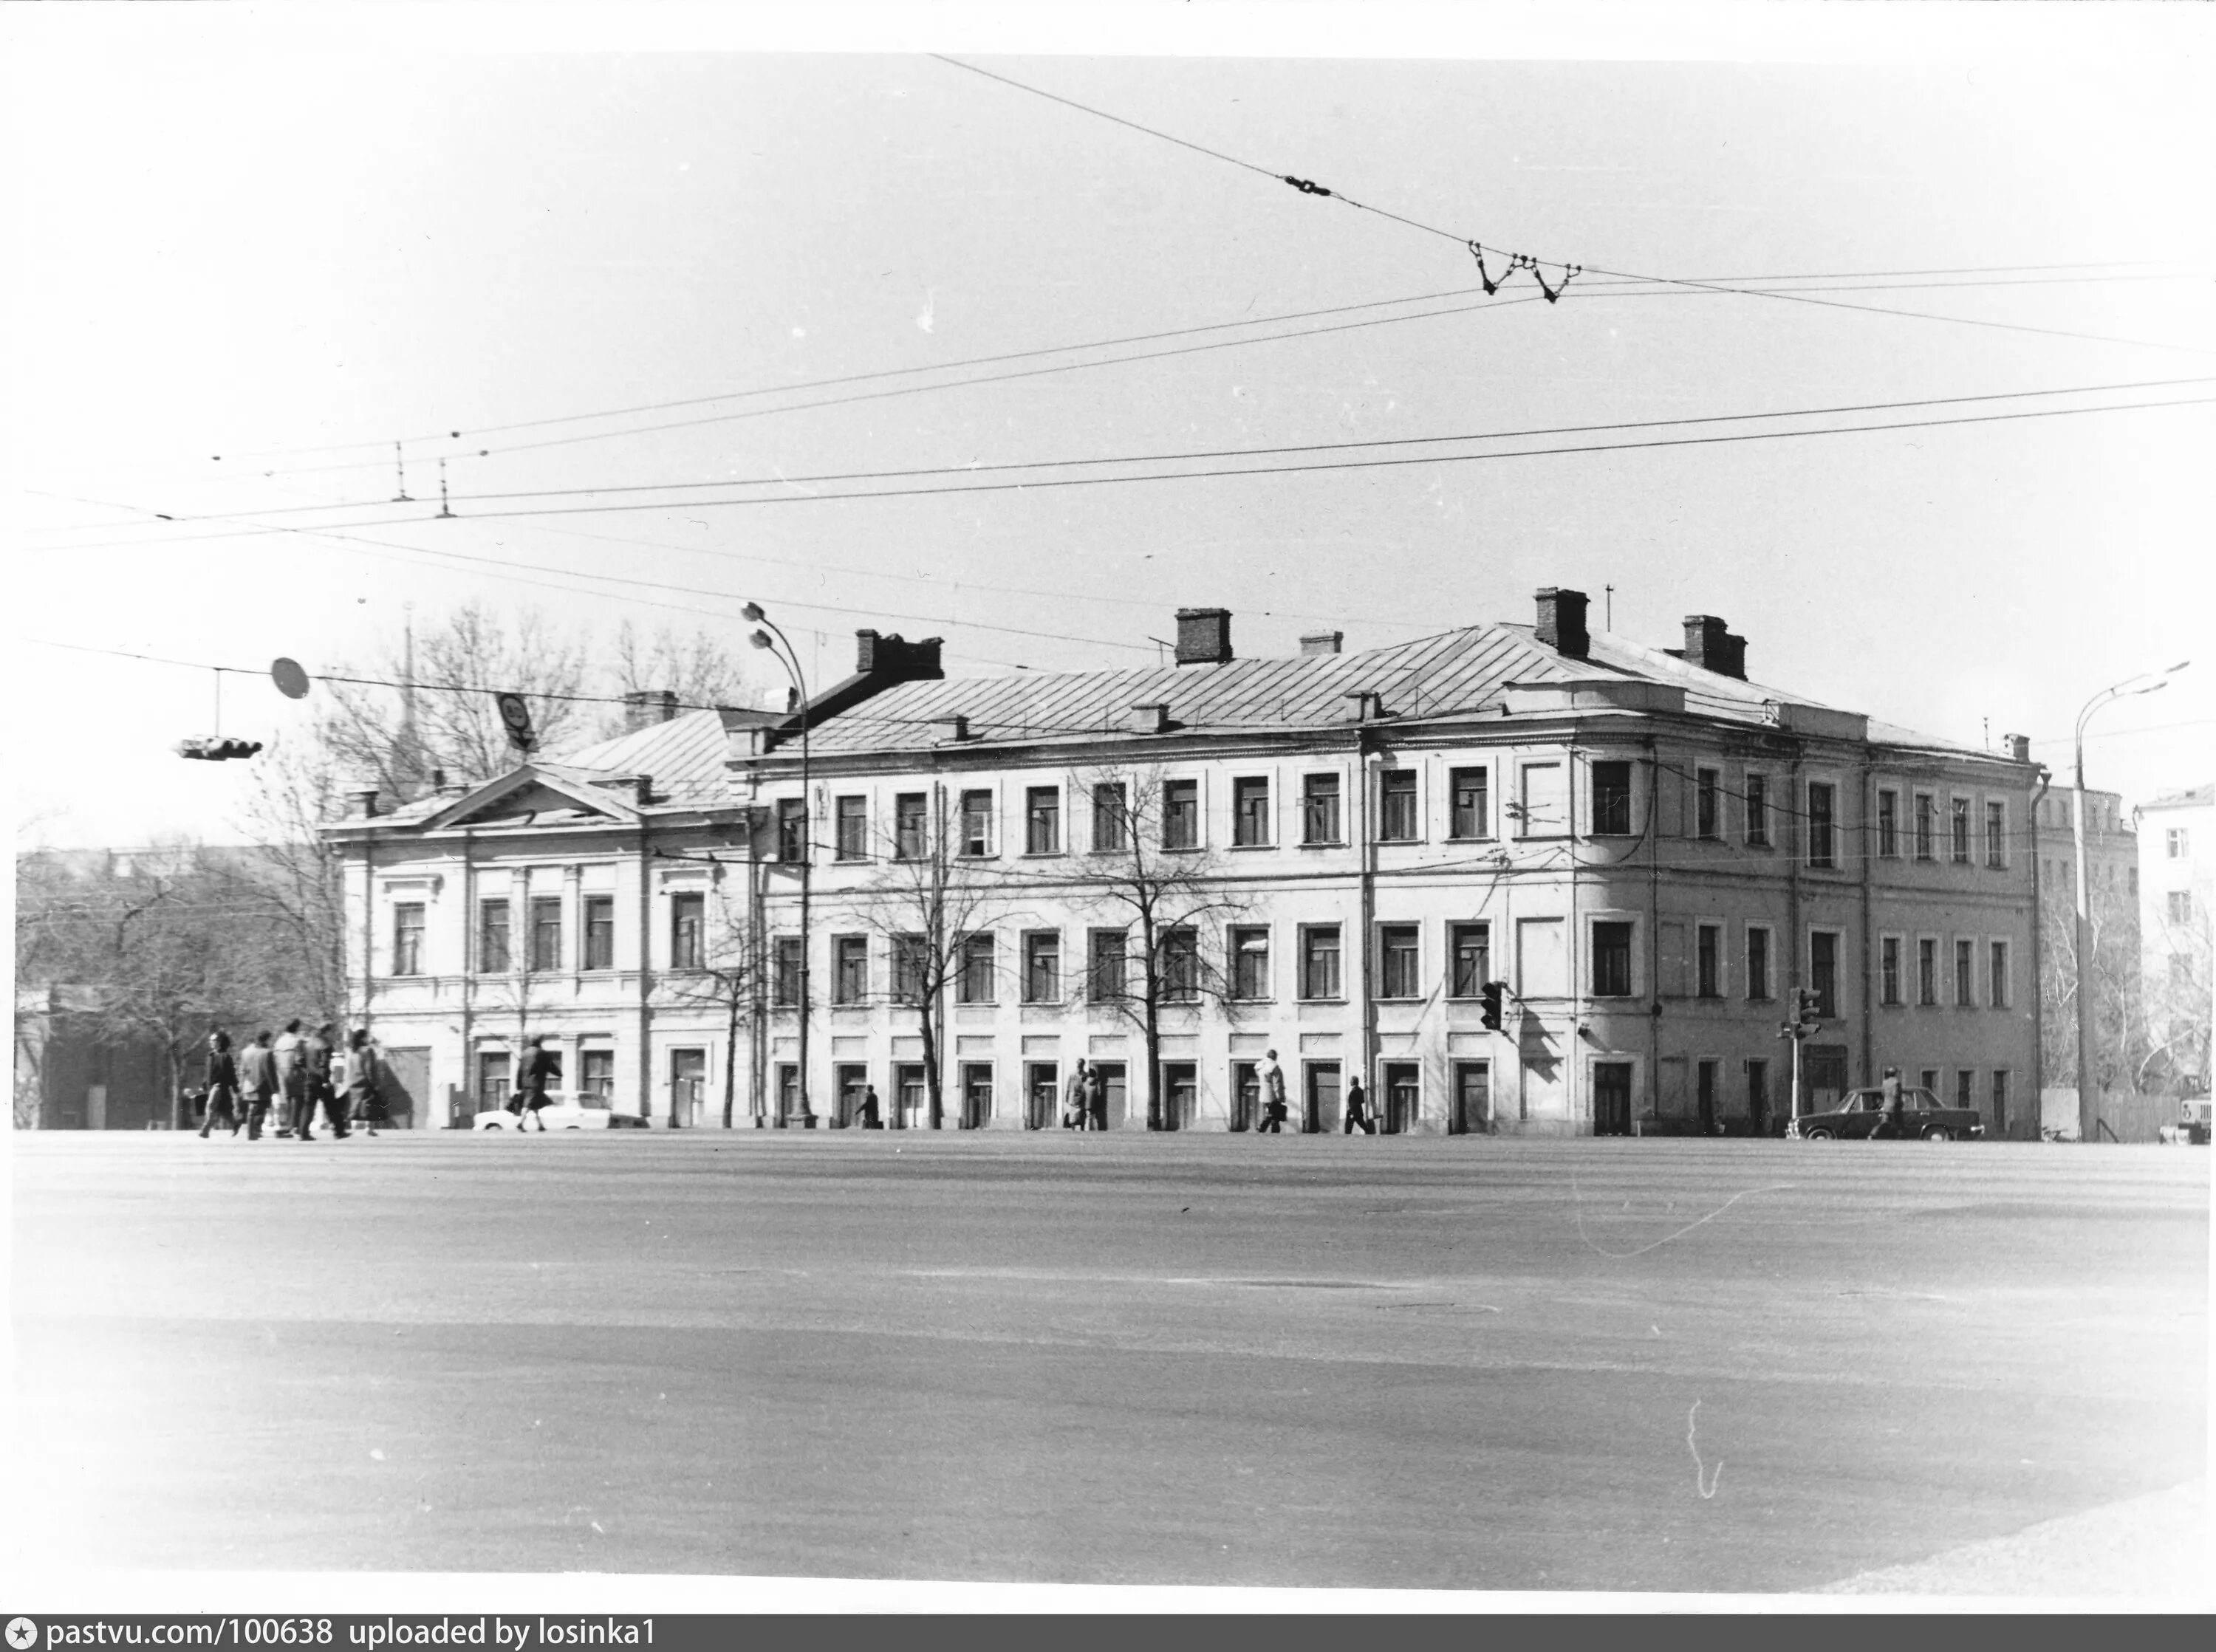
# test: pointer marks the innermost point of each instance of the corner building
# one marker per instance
(1337, 852)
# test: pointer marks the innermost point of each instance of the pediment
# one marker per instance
(529, 797)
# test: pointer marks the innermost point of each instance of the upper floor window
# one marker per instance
(850, 968)
(1757, 811)
(1111, 818)
(1611, 960)
(911, 954)
(977, 823)
(1822, 850)
(1544, 805)
(1958, 830)
(785, 971)
(1250, 811)
(1320, 961)
(408, 937)
(1041, 966)
(978, 968)
(1996, 975)
(1107, 966)
(1707, 960)
(1180, 966)
(1396, 806)
(1888, 824)
(792, 828)
(1757, 962)
(1320, 809)
(1043, 820)
(1996, 834)
(494, 956)
(1471, 816)
(600, 932)
(547, 932)
(2176, 842)
(1472, 948)
(2179, 906)
(1611, 800)
(1927, 972)
(1965, 968)
(1824, 972)
(1249, 963)
(1180, 814)
(1707, 796)
(854, 837)
(1399, 962)
(910, 840)
(1926, 825)
(1888, 974)
(687, 919)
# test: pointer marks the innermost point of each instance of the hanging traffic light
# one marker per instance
(213, 750)
(1810, 1011)
(1495, 993)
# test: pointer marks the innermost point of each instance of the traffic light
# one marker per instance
(1806, 1010)
(211, 750)
(1494, 993)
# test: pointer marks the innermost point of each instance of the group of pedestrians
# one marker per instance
(1085, 1100)
(290, 1074)
(1270, 1076)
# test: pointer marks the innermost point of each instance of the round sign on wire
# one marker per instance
(292, 681)
(516, 716)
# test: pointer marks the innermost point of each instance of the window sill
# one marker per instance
(1482, 837)
(1402, 842)
(1040, 854)
(1324, 1001)
(1323, 843)
(1237, 848)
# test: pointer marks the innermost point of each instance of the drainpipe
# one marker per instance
(2038, 979)
(1869, 804)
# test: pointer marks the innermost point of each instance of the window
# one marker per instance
(1250, 812)
(1398, 969)
(1320, 962)
(977, 823)
(1965, 968)
(1319, 808)
(1180, 966)
(1043, 820)
(1820, 846)
(1958, 830)
(1545, 805)
(1996, 834)
(1925, 824)
(1706, 796)
(854, 833)
(1927, 971)
(407, 938)
(1888, 825)
(978, 968)
(600, 932)
(1611, 800)
(1611, 960)
(1471, 806)
(596, 1072)
(1966, 1088)
(1707, 960)
(2176, 842)
(1929, 1079)
(1888, 970)
(492, 1078)
(1823, 971)
(792, 828)
(909, 835)
(1472, 948)
(784, 975)
(1250, 964)
(1757, 1095)
(1041, 966)
(1997, 974)
(2179, 905)
(1111, 818)
(1757, 962)
(1180, 814)
(1396, 806)
(2000, 1098)
(2181, 970)
(547, 932)
(493, 954)
(911, 953)
(850, 968)
(1757, 811)
(687, 918)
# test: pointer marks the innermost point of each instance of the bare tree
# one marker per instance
(1170, 899)
(2119, 1011)
(298, 872)
(694, 666)
(726, 975)
(2177, 1008)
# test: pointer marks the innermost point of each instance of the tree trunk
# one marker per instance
(930, 1058)
(730, 1059)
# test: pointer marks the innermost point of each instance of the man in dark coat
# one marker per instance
(539, 1066)
(1357, 1110)
(258, 1077)
(316, 1052)
(1274, 1112)
(1096, 1099)
(222, 1084)
(1073, 1116)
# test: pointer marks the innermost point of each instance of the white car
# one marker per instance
(564, 1110)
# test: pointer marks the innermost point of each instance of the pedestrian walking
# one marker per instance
(870, 1118)
(1357, 1110)
(316, 1053)
(1890, 1104)
(364, 1100)
(1073, 1116)
(294, 1115)
(1272, 1077)
(1096, 1098)
(541, 1065)
(258, 1078)
(222, 1084)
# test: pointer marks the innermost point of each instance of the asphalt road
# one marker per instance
(1382, 1362)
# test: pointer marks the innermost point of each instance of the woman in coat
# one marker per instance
(222, 1084)
(359, 1076)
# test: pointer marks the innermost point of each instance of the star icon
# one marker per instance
(22, 1634)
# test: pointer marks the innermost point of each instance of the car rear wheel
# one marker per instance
(1816, 1135)
(1938, 1132)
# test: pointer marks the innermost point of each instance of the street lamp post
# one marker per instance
(2088, 1109)
(790, 661)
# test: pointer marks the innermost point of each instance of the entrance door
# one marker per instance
(1403, 1098)
(1706, 1091)
(1042, 1095)
(912, 1094)
(976, 1095)
(1611, 1098)
(788, 1091)
(852, 1080)
(688, 1087)
(1114, 1094)
(1245, 1095)
(1473, 1098)
(1824, 1076)
(1319, 1098)
(1180, 1094)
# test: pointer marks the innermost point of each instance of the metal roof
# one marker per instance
(684, 757)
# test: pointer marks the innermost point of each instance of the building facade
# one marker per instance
(2176, 892)
(1514, 878)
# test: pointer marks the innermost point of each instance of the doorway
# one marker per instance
(1319, 1098)
(1404, 1096)
(403, 1075)
(912, 1094)
(1823, 1075)
(1611, 1098)
(688, 1087)
(976, 1095)
(1705, 1089)
(1042, 1095)
(852, 1080)
(1473, 1098)
(1113, 1096)
(1245, 1095)
(1180, 1094)
(788, 1092)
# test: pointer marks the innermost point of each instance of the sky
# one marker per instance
(291, 241)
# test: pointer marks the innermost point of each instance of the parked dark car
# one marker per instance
(1860, 1115)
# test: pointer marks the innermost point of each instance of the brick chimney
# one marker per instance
(361, 801)
(644, 707)
(1562, 621)
(1204, 636)
(1317, 642)
(2019, 747)
(896, 657)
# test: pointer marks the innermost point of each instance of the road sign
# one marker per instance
(292, 681)
(515, 717)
